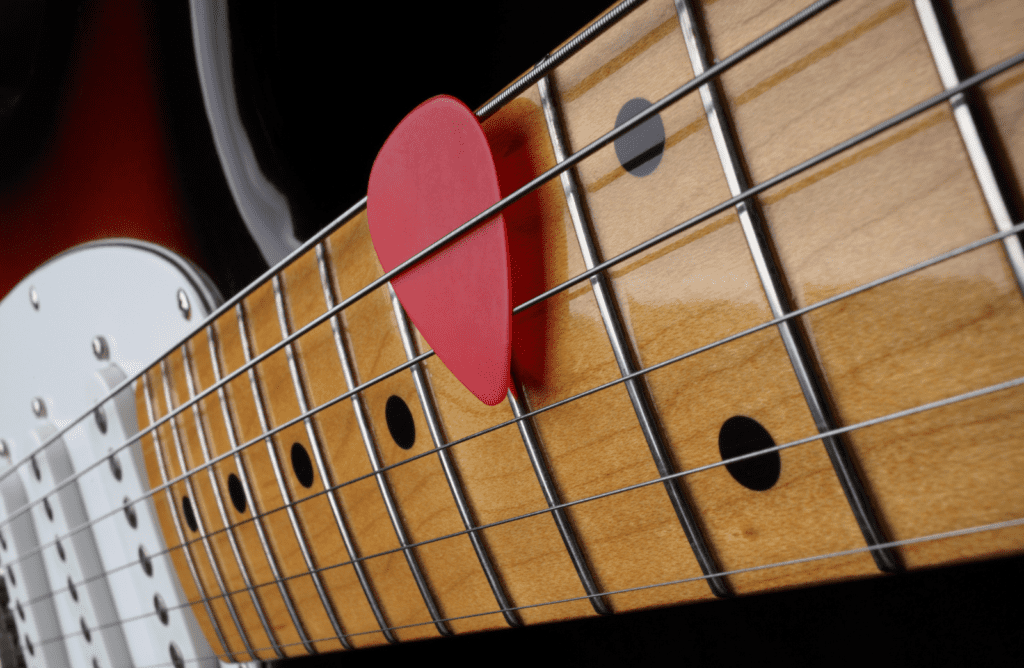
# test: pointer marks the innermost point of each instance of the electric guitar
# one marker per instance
(768, 282)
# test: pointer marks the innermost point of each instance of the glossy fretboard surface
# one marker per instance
(321, 571)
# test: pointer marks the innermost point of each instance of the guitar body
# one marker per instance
(310, 499)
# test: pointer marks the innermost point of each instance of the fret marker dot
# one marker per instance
(741, 435)
(302, 465)
(400, 422)
(190, 513)
(237, 492)
(640, 150)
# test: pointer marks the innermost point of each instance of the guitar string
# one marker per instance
(944, 535)
(694, 84)
(912, 111)
(452, 444)
(866, 134)
(955, 533)
(906, 271)
(966, 396)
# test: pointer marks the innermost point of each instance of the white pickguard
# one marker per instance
(126, 292)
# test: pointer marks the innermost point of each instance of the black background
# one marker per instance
(320, 88)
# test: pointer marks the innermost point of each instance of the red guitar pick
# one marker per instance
(434, 173)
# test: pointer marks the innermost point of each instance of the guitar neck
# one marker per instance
(360, 494)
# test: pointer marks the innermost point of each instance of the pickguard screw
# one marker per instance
(33, 297)
(183, 305)
(38, 407)
(99, 348)
(101, 419)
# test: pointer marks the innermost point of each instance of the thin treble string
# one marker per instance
(924, 264)
(687, 88)
(606, 21)
(965, 396)
(754, 190)
(944, 535)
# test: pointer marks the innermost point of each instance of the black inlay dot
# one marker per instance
(190, 513)
(10, 576)
(640, 149)
(301, 464)
(741, 435)
(35, 468)
(237, 492)
(147, 565)
(71, 589)
(21, 613)
(95, 662)
(115, 467)
(48, 509)
(85, 630)
(129, 512)
(3, 541)
(60, 550)
(400, 424)
(28, 644)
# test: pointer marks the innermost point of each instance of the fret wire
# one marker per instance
(887, 124)
(528, 432)
(942, 50)
(229, 530)
(973, 394)
(916, 540)
(966, 396)
(611, 18)
(810, 378)
(243, 477)
(282, 487)
(198, 515)
(147, 393)
(451, 474)
(924, 264)
(339, 519)
(753, 47)
(625, 356)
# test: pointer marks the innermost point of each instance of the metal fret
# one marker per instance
(547, 486)
(451, 474)
(201, 526)
(624, 355)
(942, 49)
(185, 547)
(229, 529)
(282, 486)
(314, 443)
(250, 500)
(755, 233)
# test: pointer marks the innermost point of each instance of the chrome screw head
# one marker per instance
(38, 407)
(101, 419)
(33, 297)
(99, 348)
(183, 305)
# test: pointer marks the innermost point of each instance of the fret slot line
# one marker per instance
(924, 264)
(261, 412)
(221, 509)
(364, 581)
(755, 232)
(186, 548)
(450, 472)
(942, 50)
(200, 524)
(624, 355)
(528, 432)
(243, 477)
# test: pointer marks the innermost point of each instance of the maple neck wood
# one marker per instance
(275, 565)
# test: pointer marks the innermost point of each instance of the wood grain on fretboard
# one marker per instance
(900, 198)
